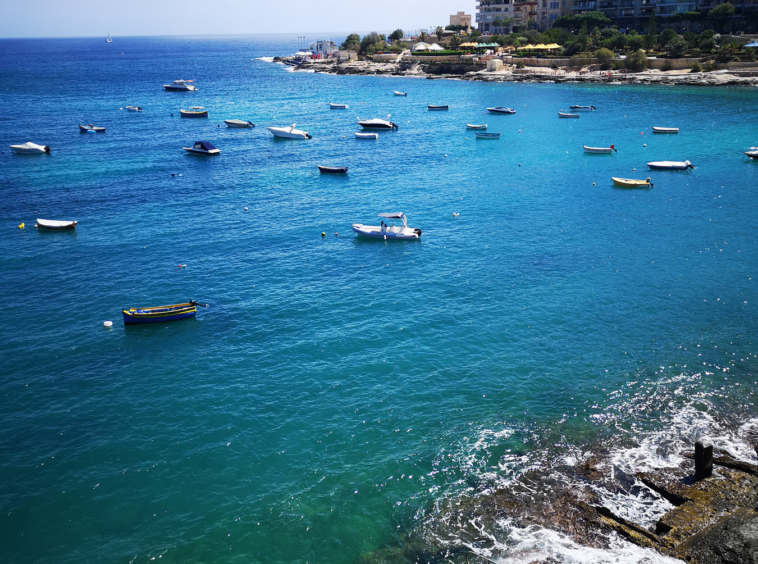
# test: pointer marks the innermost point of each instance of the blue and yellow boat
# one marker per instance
(159, 314)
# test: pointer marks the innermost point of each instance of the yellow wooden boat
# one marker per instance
(631, 183)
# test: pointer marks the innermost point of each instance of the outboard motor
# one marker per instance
(418, 232)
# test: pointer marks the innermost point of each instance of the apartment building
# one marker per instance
(536, 14)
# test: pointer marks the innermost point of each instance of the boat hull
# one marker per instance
(30, 149)
(141, 316)
(670, 165)
(568, 116)
(287, 133)
(752, 154)
(507, 111)
(583, 108)
(237, 123)
(186, 114)
(54, 225)
(194, 151)
(471, 126)
(437, 108)
(376, 232)
(337, 106)
(487, 135)
(332, 169)
(86, 129)
(378, 126)
(631, 183)
(670, 130)
(598, 150)
(366, 135)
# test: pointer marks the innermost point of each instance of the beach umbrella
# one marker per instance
(752, 44)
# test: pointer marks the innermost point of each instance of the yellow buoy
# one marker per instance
(323, 234)
(22, 226)
(593, 183)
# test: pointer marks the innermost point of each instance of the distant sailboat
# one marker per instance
(109, 40)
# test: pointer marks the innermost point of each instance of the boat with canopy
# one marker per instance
(159, 314)
(180, 86)
(391, 231)
(377, 123)
(202, 148)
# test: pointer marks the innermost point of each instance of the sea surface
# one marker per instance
(337, 390)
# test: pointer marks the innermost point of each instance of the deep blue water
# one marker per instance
(336, 389)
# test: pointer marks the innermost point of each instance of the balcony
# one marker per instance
(607, 5)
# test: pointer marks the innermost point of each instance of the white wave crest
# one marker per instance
(265, 59)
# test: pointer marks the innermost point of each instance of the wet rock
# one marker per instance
(732, 540)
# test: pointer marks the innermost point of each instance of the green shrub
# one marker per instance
(520, 65)
(577, 62)
(676, 47)
(696, 67)
(708, 67)
(554, 66)
(636, 62)
(636, 42)
(605, 57)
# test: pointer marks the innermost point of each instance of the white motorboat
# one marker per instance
(238, 123)
(385, 231)
(134, 108)
(55, 224)
(91, 128)
(567, 115)
(433, 107)
(180, 86)
(337, 106)
(472, 126)
(665, 130)
(376, 123)
(359, 135)
(30, 148)
(203, 148)
(752, 153)
(483, 135)
(583, 108)
(501, 110)
(289, 132)
(396, 93)
(670, 165)
(599, 150)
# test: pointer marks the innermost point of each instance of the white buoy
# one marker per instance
(107, 323)
(245, 209)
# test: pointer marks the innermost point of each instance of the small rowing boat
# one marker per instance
(134, 108)
(631, 183)
(55, 225)
(599, 150)
(501, 110)
(359, 135)
(665, 130)
(567, 115)
(670, 165)
(396, 93)
(482, 135)
(238, 123)
(202, 148)
(332, 169)
(159, 314)
(583, 108)
(472, 126)
(30, 148)
(432, 107)
(194, 112)
(91, 129)
(337, 106)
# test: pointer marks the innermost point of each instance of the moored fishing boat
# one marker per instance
(501, 110)
(583, 108)
(752, 153)
(238, 123)
(631, 183)
(55, 225)
(91, 128)
(203, 148)
(30, 148)
(337, 106)
(567, 115)
(385, 231)
(359, 135)
(482, 135)
(332, 169)
(134, 108)
(665, 130)
(473, 126)
(289, 132)
(377, 123)
(159, 314)
(599, 150)
(432, 107)
(670, 165)
(180, 86)
(396, 93)
(194, 112)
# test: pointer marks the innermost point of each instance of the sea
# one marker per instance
(337, 393)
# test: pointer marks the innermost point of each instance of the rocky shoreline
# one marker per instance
(529, 75)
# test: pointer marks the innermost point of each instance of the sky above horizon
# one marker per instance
(83, 18)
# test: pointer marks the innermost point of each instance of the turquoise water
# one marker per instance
(337, 389)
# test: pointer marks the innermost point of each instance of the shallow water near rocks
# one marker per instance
(337, 390)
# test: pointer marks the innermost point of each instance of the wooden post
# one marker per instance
(703, 460)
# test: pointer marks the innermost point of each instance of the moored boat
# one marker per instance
(670, 165)
(55, 225)
(194, 112)
(752, 153)
(159, 314)
(599, 150)
(134, 108)
(432, 107)
(91, 128)
(359, 135)
(665, 130)
(501, 110)
(482, 135)
(473, 126)
(396, 93)
(337, 106)
(631, 183)
(376, 123)
(203, 148)
(238, 123)
(567, 115)
(289, 132)
(109, 39)
(30, 148)
(180, 86)
(583, 108)
(385, 231)
(332, 169)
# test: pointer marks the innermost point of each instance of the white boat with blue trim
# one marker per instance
(388, 231)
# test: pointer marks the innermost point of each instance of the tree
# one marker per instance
(438, 32)
(619, 42)
(370, 42)
(583, 38)
(396, 35)
(636, 42)
(707, 45)
(720, 13)
(605, 57)
(636, 62)
(455, 42)
(727, 51)
(676, 47)
(666, 36)
(595, 19)
(352, 43)
(650, 33)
